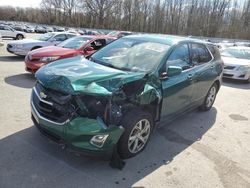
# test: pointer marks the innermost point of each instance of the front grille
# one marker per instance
(227, 75)
(229, 67)
(51, 104)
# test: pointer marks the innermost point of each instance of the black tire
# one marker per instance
(36, 47)
(205, 106)
(129, 122)
(19, 37)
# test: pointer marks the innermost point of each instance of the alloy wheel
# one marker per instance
(139, 136)
(211, 96)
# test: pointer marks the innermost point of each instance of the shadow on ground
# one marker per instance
(24, 80)
(27, 158)
(239, 84)
(12, 58)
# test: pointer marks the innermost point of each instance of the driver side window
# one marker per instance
(60, 37)
(180, 57)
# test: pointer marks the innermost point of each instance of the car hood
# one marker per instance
(79, 75)
(27, 41)
(235, 61)
(52, 51)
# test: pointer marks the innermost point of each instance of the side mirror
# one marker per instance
(88, 48)
(171, 71)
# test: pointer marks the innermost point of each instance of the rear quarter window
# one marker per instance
(214, 50)
(200, 54)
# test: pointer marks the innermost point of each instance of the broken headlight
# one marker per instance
(113, 113)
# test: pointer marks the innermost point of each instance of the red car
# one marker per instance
(80, 45)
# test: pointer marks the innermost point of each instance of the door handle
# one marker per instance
(190, 77)
(212, 67)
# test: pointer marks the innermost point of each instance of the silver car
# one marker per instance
(49, 39)
(236, 63)
(1, 41)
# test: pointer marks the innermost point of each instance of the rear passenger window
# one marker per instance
(180, 57)
(214, 50)
(200, 54)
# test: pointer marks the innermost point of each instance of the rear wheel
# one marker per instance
(210, 98)
(19, 37)
(138, 128)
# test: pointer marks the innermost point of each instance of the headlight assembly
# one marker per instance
(243, 68)
(49, 59)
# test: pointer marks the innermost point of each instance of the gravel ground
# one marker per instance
(200, 149)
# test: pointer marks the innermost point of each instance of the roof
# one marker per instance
(164, 39)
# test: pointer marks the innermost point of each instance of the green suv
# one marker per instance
(115, 98)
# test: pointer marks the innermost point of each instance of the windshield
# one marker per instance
(237, 53)
(46, 37)
(113, 33)
(131, 54)
(75, 43)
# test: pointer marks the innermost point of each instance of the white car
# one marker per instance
(236, 63)
(1, 41)
(9, 32)
(22, 47)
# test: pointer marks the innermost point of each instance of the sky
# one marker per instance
(20, 3)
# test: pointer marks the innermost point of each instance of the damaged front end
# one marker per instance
(87, 111)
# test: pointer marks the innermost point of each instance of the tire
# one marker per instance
(36, 47)
(131, 123)
(19, 37)
(210, 98)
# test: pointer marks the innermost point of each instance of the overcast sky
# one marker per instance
(20, 3)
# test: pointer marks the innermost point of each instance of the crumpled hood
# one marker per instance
(79, 75)
(235, 61)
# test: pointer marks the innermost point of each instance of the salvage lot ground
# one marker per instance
(208, 149)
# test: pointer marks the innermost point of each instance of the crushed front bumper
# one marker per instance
(76, 134)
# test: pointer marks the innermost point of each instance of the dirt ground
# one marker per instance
(200, 149)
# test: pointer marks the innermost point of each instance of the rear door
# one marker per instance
(9, 32)
(205, 72)
(178, 90)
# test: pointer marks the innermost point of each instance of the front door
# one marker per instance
(178, 89)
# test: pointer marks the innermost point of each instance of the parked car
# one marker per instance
(1, 41)
(49, 39)
(117, 97)
(40, 29)
(29, 29)
(48, 29)
(119, 34)
(19, 28)
(236, 63)
(9, 32)
(80, 45)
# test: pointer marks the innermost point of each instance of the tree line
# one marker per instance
(210, 18)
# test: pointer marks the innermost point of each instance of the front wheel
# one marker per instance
(138, 128)
(210, 98)
(19, 37)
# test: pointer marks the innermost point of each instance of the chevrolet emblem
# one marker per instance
(43, 95)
